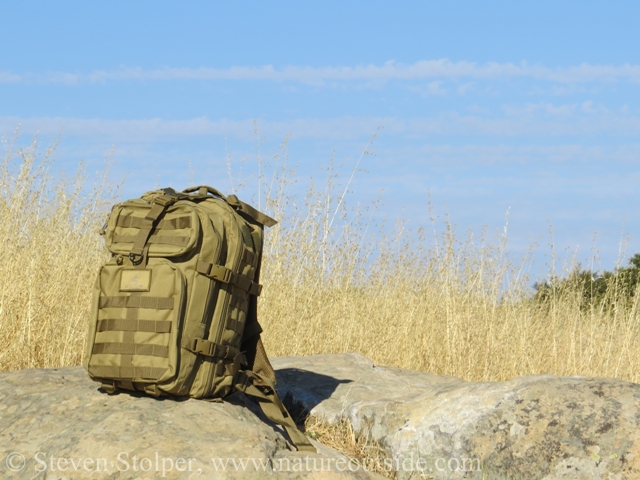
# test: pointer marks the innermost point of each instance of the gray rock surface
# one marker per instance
(535, 427)
(56, 424)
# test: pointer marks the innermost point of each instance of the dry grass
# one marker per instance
(369, 455)
(48, 261)
(335, 281)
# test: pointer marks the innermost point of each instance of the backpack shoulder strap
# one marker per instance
(264, 390)
(259, 378)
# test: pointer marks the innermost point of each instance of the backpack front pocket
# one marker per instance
(175, 234)
(138, 314)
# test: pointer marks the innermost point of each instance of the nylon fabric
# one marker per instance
(178, 223)
(115, 324)
(149, 373)
(157, 303)
(174, 312)
(166, 239)
(131, 349)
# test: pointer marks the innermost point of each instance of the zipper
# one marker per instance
(212, 292)
(225, 308)
(209, 310)
(197, 361)
(181, 310)
(236, 265)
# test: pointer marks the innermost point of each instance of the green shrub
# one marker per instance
(593, 289)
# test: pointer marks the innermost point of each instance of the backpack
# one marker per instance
(174, 310)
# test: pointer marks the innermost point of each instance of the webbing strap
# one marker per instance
(160, 204)
(225, 275)
(249, 258)
(108, 371)
(235, 325)
(121, 348)
(208, 348)
(124, 325)
(204, 191)
(264, 390)
(165, 239)
(158, 303)
(239, 303)
(252, 212)
(178, 223)
(145, 229)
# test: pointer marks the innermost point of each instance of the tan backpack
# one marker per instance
(175, 308)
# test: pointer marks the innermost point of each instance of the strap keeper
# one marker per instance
(255, 289)
(165, 200)
(152, 390)
(208, 348)
(109, 386)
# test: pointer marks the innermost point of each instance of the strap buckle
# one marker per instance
(220, 273)
(204, 347)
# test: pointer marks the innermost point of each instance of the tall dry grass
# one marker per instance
(49, 255)
(335, 280)
(439, 302)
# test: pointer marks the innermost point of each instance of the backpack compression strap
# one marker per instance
(264, 390)
(160, 204)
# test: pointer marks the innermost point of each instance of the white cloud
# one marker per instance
(531, 120)
(466, 88)
(542, 107)
(8, 77)
(533, 154)
(420, 70)
(431, 89)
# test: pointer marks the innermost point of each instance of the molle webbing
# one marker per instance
(249, 257)
(165, 239)
(239, 303)
(131, 349)
(235, 325)
(124, 325)
(138, 222)
(158, 303)
(103, 371)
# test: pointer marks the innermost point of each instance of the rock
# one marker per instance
(535, 427)
(56, 424)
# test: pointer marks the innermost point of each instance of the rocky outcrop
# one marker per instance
(535, 427)
(56, 424)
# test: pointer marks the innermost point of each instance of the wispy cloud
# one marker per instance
(432, 88)
(8, 77)
(544, 119)
(420, 70)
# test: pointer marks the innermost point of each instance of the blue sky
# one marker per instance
(489, 106)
